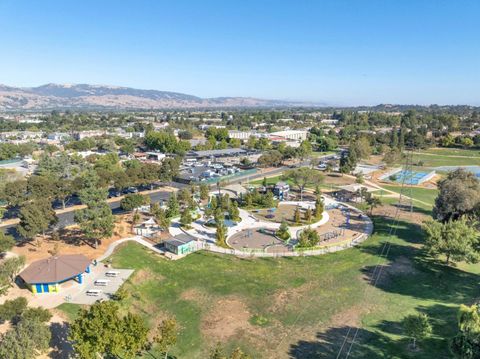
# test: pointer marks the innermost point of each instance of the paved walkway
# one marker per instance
(111, 248)
(248, 221)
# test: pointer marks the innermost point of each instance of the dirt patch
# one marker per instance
(348, 317)
(336, 179)
(403, 213)
(284, 298)
(229, 317)
(143, 275)
(401, 266)
(155, 322)
(195, 295)
(4, 327)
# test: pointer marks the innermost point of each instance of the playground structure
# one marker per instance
(341, 226)
(340, 223)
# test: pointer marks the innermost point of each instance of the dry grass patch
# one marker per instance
(143, 275)
(228, 318)
(197, 296)
(289, 298)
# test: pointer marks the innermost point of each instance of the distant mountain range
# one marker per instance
(83, 96)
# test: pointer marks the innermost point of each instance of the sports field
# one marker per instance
(436, 157)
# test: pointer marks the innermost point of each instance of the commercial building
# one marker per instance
(228, 152)
(242, 135)
(46, 275)
(86, 134)
(299, 135)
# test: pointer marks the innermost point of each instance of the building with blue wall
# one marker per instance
(46, 275)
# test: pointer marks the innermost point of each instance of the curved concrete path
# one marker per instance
(111, 248)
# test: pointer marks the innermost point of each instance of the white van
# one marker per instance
(112, 274)
(102, 282)
(94, 292)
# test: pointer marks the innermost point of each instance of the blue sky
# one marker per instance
(335, 52)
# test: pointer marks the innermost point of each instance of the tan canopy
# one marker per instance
(55, 269)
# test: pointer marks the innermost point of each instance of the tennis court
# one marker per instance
(410, 177)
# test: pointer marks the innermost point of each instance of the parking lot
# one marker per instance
(81, 297)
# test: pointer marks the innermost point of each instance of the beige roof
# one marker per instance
(354, 187)
(55, 269)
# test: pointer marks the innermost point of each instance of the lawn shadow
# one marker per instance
(341, 342)
(410, 271)
(407, 231)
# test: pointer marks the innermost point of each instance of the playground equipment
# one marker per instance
(332, 235)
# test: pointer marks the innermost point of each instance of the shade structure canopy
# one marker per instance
(55, 269)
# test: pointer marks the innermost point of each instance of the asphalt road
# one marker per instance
(67, 218)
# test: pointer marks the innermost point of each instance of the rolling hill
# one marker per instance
(83, 96)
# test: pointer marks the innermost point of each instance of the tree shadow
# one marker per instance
(341, 342)
(407, 231)
(62, 348)
(410, 271)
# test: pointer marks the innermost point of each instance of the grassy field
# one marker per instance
(302, 307)
(441, 160)
(320, 154)
(435, 157)
(422, 194)
(453, 152)
(70, 310)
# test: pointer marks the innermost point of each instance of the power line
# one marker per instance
(377, 272)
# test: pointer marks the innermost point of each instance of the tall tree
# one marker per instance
(459, 194)
(456, 240)
(186, 217)
(319, 208)
(221, 234)
(303, 177)
(35, 218)
(233, 212)
(166, 335)
(9, 269)
(15, 193)
(173, 208)
(204, 191)
(466, 344)
(101, 331)
(96, 221)
(27, 339)
(372, 202)
(132, 201)
(296, 215)
(6, 242)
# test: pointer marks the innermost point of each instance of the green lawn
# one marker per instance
(270, 181)
(435, 157)
(422, 194)
(453, 152)
(282, 307)
(319, 154)
(440, 160)
(71, 310)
